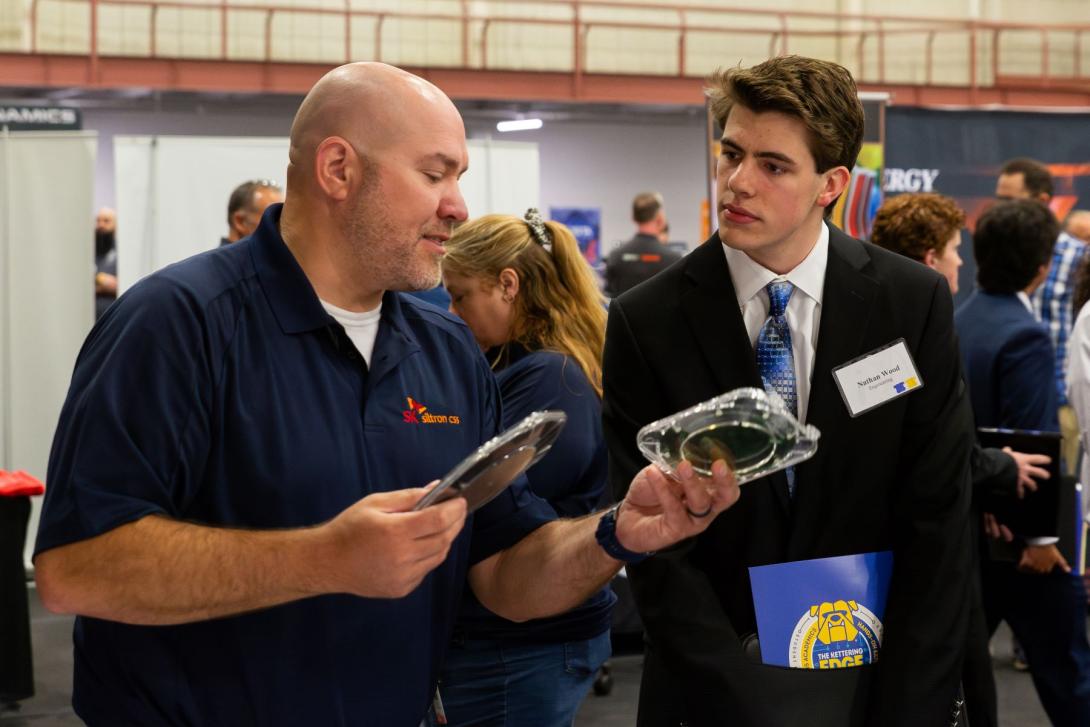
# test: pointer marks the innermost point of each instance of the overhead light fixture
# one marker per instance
(519, 125)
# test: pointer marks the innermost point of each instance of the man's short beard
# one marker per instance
(432, 281)
(367, 228)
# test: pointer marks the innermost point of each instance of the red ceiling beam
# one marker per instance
(558, 86)
(1010, 96)
(54, 71)
(171, 74)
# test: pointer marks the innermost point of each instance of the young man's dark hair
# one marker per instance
(822, 95)
(1037, 178)
(1011, 242)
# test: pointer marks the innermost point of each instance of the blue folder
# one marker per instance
(824, 613)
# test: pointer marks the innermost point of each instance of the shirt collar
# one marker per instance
(295, 303)
(1021, 294)
(750, 277)
(1070, 240)
(502, 356)
(289, 292)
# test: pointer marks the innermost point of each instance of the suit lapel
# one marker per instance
(846, 307)
(712, 312)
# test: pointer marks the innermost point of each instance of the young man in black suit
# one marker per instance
(894, 476)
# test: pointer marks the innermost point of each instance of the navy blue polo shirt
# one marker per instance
(219, 391)
(571, 477)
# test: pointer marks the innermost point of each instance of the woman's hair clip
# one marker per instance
(538, 229)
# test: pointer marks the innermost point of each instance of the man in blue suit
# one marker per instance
(1008, 362)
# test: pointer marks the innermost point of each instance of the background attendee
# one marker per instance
(226, 510)
(927, 228)
(645, 254)
(533, 305)
(895, 477)
(1078, 377)
(437, 296)
(105, 260)
(1009, 368)
(1029, 179)
(1077, 224)
(245, 206)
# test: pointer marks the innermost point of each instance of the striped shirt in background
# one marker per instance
(1052, 301)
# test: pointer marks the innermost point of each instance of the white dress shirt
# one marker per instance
(803, 310)
(1022, 296)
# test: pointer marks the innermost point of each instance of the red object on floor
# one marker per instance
(19, 484)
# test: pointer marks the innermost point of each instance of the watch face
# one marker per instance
(494, 465)
(748, 428)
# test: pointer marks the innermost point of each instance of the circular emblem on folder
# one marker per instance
(835, 635)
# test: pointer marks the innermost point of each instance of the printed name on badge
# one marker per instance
(885, 374)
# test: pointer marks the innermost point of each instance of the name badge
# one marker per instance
(885, 374)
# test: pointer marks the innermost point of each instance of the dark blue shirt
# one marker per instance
(571, 477)
(219, 391)
(437, 296)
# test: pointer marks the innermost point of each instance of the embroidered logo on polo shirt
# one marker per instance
(417, 413)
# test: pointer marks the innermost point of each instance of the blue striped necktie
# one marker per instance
(775, 360)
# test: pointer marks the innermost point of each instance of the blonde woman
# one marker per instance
(531, 301)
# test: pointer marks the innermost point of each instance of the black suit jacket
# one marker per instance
(896, 477)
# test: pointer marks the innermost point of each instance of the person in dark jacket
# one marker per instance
(1009, 367)
(927, 229)
(645, 254)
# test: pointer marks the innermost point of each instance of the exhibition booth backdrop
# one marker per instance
(959, 153)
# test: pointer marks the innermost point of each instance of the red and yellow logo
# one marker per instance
(417, 413)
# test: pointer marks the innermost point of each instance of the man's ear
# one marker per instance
(336, 167)
(836, 181)
(238, 221)
(660, 218)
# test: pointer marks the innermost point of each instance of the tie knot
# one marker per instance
(779, 292)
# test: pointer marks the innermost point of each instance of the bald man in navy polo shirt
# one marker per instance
(225, 511)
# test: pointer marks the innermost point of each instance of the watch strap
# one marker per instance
(606, 535)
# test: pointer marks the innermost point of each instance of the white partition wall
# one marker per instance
(503, 177)
(46, 288)
(172, 191)
(172, 194)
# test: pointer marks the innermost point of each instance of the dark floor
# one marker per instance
(1018, 705)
